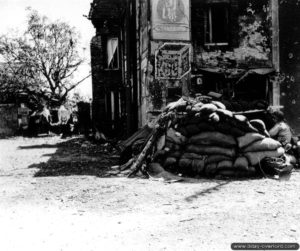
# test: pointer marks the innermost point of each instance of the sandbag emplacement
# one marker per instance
(199, 137)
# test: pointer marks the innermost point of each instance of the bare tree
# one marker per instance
(43, 61)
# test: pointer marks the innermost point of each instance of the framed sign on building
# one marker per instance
(170, 19)
(172, 61)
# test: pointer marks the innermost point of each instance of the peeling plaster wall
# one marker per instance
(155, 92)
(249, 43)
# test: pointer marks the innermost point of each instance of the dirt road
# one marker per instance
(52, 197)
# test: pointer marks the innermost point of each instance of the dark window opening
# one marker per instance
(216, 25)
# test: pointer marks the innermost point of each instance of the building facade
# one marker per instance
(146, 53)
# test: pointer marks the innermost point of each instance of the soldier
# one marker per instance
(64, 119)
(281, 131)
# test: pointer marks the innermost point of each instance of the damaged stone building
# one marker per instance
(146, 53)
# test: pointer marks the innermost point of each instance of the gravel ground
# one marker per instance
(53, 197)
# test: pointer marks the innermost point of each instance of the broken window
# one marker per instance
(112, 48)
(216, 25)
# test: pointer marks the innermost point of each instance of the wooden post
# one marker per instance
(275, 50)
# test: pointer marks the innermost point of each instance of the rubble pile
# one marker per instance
(201, 138)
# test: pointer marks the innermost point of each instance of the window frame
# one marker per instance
(208, 25)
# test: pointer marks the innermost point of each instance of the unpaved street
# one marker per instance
(53, 198)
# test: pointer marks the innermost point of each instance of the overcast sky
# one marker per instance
(13, 16)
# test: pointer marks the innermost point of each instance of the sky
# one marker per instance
(13, 17)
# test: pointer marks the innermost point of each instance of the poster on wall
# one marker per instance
(172, 61)
(170, 19)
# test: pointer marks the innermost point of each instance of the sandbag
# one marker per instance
(198, 104)
(225, 164)
(185, 163)
(192, 129)
(195, 109)
(180, 103)
(226, 128)
(266, 144)
(209, 150)
(170, 161)
(194, 156)
(205, 127)
(237, 173)
(216, 158)
(193, 120)
(241, 122)
(219, 105)
(260, 126)
(172, 146)
(255, 157)
(214, 117)
(175, 137)
(182, 130)
(248, 139)
(189, 167)
(290, 159)
(224, 114)
(211, 169)
(241, 163)
(208, 109)
(212, 138)
(198, 166)
(175, 154)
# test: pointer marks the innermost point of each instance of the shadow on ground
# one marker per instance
(76, 156)
(207, 191)
(37, 146)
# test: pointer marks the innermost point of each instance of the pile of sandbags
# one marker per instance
(205, 139)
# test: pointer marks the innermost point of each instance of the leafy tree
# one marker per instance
(42, 61)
